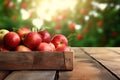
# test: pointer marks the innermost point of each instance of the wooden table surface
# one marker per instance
(90, 63)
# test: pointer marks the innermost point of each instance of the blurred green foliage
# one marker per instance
(92, 23)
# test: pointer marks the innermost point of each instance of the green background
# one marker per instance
(87, 25)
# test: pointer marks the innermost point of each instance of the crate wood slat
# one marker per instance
(32, 75)
(3, 74)
(69, 60)
(108, 58)
(85, 68)
(36, 60)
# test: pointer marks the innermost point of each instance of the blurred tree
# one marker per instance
(90, 23)
(11, 14)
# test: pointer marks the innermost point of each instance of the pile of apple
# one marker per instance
(26, 40)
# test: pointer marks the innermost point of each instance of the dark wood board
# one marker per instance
(36, 60)
(3, 74)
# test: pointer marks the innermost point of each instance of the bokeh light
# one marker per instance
(83, 22)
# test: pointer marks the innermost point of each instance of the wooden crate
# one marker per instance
(36, 60)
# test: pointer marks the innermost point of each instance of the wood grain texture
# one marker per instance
(114, 49)
(110, 59)
(85, 68)
(15, 60)
(3, 74)
(68, 60)
(32, 75)
(36, 60)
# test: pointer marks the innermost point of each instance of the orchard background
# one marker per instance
(86, 23)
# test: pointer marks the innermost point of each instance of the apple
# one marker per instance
(23, 48)
(59, 40)
(45, 36)
(11, 40)
(63, 48)
(3, 32)
(2, 49)
(23, 31)
(45, 47)
(52, 46)
(32, 40)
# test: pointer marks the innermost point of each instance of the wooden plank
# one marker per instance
(115, 49)
(3, 74)
(32, 75)
(68, 60)
(14, 61)
(36, 60)
(85, 68)
(108, 58)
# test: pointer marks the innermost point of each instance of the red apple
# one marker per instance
(11, 40)
(45, 36)
(2, 49)
(59, 40)
(22, 32)
(32, 40)
(45, 47)
(63, 48)
(23, 48)
(52, 46)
